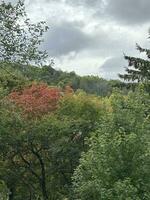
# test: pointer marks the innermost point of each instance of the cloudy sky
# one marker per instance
(91, 36)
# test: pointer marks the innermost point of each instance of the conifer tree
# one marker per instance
(138, 69)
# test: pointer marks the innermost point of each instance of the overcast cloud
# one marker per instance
(90, 36)
(130, 12)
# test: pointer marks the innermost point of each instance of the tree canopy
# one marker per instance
(19, 38)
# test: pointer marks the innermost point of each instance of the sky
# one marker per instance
(90, 37)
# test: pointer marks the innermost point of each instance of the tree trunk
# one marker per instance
(43, 174)
(44, 192)
(11, 194)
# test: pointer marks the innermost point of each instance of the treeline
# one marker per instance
(47, 74)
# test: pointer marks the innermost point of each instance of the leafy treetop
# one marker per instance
(19, 38)
(36, 100)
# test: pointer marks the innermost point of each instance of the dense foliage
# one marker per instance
(36, 100)
(41, 153)
(19, 38)
(65, 137)
(117, 163)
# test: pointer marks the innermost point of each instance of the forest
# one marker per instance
(65, 136)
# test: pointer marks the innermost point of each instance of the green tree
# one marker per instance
(19, 38)
(38, 155)
(116, 167)
(11, 123)
(11, 79)
(139, 69)
(3, 191)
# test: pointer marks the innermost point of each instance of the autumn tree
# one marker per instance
(37, 99)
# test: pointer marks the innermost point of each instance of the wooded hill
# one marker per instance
(11, 74)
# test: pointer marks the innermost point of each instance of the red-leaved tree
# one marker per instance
(36, 100)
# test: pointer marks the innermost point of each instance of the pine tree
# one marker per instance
(138, 69)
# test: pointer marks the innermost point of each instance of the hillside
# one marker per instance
(47, 74)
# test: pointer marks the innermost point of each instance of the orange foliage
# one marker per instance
(37, 100)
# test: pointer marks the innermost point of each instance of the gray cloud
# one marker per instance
(106, 37)
(129, 11)
(87, 32)
(87, 3)
(112, 67)
(65, 38)
(124, 11)
(11, 1)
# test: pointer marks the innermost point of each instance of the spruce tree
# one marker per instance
(138, 69)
